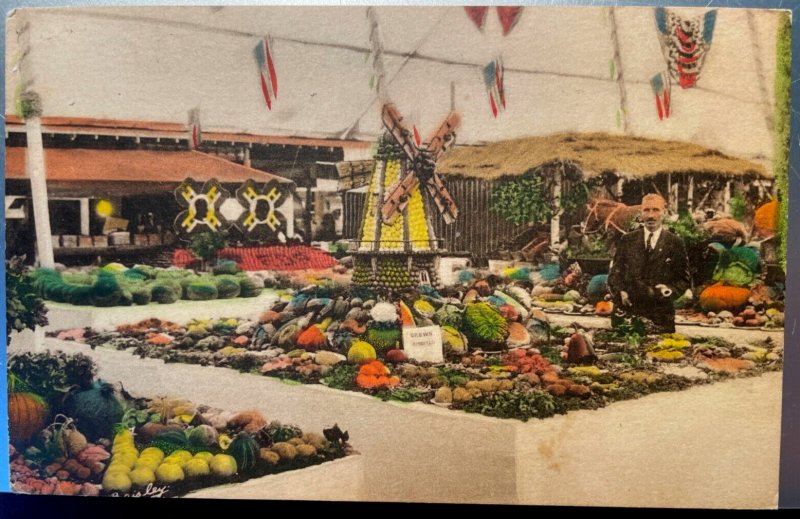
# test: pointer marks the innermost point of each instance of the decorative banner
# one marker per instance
(202, 205)
(261, 219)
(685, 43)
(509, 16)
(478, 15)
(266, 69)
(195, 134)
(662, 88)
(417, 137)
(493, 79)
(376, 43)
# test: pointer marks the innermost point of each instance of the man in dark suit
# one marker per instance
(650, 268)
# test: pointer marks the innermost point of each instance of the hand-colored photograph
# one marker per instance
(488, 254)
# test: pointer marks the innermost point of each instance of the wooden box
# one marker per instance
(154, 239)
(85, 241)
(140, 239)
(69, 240)
(100, 241)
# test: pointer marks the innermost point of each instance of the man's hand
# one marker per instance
(624, 298)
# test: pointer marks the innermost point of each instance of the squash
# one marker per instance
(484, 323)
(406, 317)
(382, 336)
(604, 308)
(718, 297)
(360, 351)
(765, 221)
(27, 415)
(245, 450)
(202, 436)
(311, 339)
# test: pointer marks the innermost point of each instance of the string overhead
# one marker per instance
(378, 79)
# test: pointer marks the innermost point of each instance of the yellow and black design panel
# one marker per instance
(202, 203)
(261, 219)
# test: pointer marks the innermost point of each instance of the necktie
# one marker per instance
(650, 243)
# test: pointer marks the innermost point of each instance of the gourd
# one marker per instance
(604, 308)
(720, 297)
(95, 410)
(227, 286)
(484, 323)
(360, 351)
(27, 414)
(201, 291)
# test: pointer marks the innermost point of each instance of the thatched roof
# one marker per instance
(593, 154)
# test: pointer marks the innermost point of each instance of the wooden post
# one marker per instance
(726, 197)
(85, 217)
(34, 154)
(247, 162)
(690, 195)
(673, 196)
(555, 220)
(618, 188)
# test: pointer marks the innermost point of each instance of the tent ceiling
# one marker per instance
(156, 63)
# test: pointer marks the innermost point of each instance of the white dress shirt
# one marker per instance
(656, 235)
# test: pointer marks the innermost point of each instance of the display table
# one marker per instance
(710, 446)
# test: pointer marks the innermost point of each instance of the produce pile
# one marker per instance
(502, 356)
(273, 257)
(116, 285)
(721, 303)
(71, 434)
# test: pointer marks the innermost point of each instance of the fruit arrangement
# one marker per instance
(392, 273)
(157, 446)
(272, 257)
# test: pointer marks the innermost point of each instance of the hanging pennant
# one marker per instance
(509, 16)
(202, 203)
(478, 15)
(493, 79)
(195, 133)
(266, 70)
(417, 137)
(685, 43)
(662, 86)
(261, 220)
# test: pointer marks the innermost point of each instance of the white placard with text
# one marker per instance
(423, 343)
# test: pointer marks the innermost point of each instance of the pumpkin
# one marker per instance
(27, 414)
(604, 308)
(718, 297)
(311, 339)
(765, 221)
(244, 450)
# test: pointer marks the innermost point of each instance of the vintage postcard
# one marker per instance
(483, 254)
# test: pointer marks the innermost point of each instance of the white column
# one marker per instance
(34, 162)
(555, 221)
(85, 217)
(690, 195)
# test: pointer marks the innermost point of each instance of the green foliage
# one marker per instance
(738, 206)
(483, 322)
(106, 290)
(50, 375)
(514, 404)
(685, 227)
(341, 376)
(165, 292)
(780, 165)
(403, 394)
(225, 266)
(522, 200)
(201, 290)
(247, 287)
(388, 149)
(205, 245)
(24, 306)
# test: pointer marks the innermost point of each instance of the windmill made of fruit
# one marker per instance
(396, 246)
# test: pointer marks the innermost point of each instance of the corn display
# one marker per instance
(391, 234)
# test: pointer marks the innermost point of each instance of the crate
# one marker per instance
(85, 241)
(69, 240)
(140, 239)
(154, 239)
(100, 241)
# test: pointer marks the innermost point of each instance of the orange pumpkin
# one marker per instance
(604, 308)
(765, 221)
(27, 415)
(311, 339)
(718, 297)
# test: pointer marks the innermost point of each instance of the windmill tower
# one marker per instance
(396, 246)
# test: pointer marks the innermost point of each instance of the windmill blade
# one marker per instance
(444, 136)
(441, 197)
(394, 123)
(397, 196)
